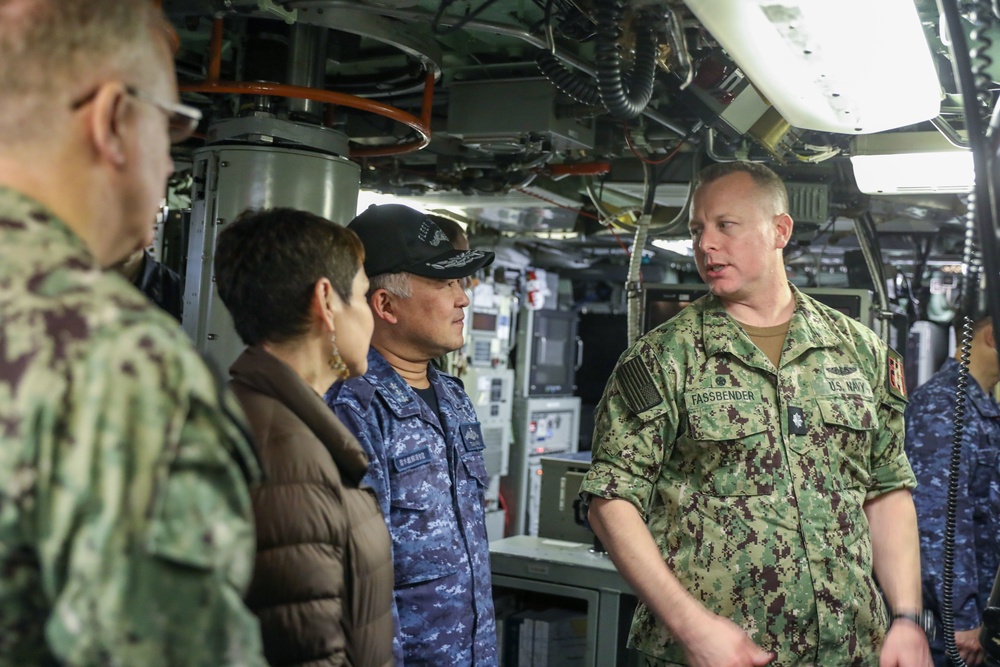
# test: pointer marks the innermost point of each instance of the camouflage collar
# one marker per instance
(18, 212)
(721, 333)
(402, 400)
(809, 327)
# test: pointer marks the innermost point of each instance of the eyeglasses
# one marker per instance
(182, 120)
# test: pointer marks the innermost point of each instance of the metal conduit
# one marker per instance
(508, 30)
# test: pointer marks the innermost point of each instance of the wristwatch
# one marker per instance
(924, 621)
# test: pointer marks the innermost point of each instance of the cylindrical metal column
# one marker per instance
(307, 67)
(231, 179)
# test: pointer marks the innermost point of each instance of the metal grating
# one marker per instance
(808, 202)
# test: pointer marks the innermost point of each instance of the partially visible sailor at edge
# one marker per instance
(930, 424)
(748, 476)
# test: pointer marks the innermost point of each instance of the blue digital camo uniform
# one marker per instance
(430, 479)
(126, 534)
(752, 479)
(929, 424)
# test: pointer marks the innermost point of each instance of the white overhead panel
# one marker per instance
(910, 162)
(850, 66)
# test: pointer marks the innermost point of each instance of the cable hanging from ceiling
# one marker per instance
(624, 94)
(970, 67)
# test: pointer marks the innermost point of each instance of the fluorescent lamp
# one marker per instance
(846, 66)
(678, 246)
(910, 162)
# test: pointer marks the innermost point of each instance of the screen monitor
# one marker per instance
(547, 352)
(484, 321)
(661, 302)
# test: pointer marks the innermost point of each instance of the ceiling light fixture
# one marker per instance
(850, 66)
(910, 162)
(678, 246)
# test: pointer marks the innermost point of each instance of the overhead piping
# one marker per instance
(507, 30)
(864, 226)
(422, 125)
(950, 133)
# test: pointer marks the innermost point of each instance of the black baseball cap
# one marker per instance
(398, 238)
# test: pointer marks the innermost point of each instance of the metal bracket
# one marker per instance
(274, 9)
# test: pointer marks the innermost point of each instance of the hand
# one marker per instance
(969, 647)
(718, 642)
(905, 646)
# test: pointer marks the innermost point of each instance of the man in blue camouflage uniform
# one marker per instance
(929, 425)
(424, 440)
(748, 475)
(126, 534)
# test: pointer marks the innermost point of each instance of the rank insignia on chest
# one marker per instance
(796, 421)
(399, 392)
(895, 379)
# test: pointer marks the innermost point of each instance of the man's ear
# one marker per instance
(106, 123)
(988, 336)
(382, 306)
(783, 225)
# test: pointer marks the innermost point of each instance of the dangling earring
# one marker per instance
(336, 362)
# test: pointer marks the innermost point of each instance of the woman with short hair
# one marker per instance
(322, 585)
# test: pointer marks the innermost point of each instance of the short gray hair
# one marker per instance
(397, 284)
(49, 48)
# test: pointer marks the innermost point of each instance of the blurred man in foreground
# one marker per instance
(126, 535)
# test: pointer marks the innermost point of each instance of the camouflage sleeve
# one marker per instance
(890, 468)
(634, 429)
(929, 426)
(145, 530)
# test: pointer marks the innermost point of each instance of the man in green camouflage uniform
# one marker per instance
(126, 535)
(758, 436)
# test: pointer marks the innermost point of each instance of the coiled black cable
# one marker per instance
(580, 87)
(954, 462)
(981, 44)
(625, 96)
(970, 287)
(970, 67)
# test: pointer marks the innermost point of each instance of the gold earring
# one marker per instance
(336, 362)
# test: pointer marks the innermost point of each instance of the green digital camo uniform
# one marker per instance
(752, 481)
(126, 534)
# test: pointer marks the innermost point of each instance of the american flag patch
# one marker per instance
(637, 386)
(895, 378)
